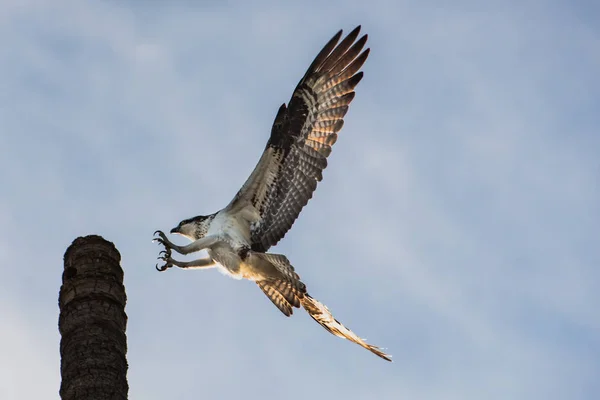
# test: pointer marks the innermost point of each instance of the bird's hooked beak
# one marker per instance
(175, 230)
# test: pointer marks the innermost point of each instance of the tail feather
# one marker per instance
(320, 313)
(286, 291)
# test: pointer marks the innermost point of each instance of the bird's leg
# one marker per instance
(165, 256)
(195, 264)
(200, 244)
(197, 245)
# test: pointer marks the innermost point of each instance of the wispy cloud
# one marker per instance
(456, 224)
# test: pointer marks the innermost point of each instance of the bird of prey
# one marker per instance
(238, 236)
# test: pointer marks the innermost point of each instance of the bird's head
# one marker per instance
(192, 228)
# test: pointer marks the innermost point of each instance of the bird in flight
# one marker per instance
(238, 237)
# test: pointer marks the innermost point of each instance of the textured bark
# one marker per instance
(92, 322)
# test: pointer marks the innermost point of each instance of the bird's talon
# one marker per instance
(165, 254)
(163, 268)
(160, 241)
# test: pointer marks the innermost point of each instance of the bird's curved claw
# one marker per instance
(162, 238)
(163, 268)
(164, 255)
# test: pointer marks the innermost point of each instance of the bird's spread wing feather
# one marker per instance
(282, 293)
(301, 138)
(286, 290)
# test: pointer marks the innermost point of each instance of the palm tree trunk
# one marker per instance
(92, 322)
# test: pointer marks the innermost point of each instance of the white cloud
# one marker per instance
(455, 225)
(30, 364)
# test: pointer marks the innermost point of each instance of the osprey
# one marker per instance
(238, 236)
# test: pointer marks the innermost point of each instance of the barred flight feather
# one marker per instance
(302, 137)
(276, 298)
(288, 292)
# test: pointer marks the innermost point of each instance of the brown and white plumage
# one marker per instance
(238, 236)
(301, 139)
(288, 292)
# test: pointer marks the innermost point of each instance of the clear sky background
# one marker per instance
(457, 224)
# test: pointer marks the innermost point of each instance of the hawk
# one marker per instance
(238, 237)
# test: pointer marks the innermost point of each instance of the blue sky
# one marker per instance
(457, 223)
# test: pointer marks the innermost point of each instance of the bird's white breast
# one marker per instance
(235, 233)
(235, 229)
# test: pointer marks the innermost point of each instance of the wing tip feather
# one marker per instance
(344, 59)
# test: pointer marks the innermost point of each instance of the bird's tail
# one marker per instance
(286, 291)
(320, 313)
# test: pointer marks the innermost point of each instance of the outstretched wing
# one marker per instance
(301, 138)
(283, 294)
(286, 290)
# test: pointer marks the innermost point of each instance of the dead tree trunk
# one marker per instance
(92, 322)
